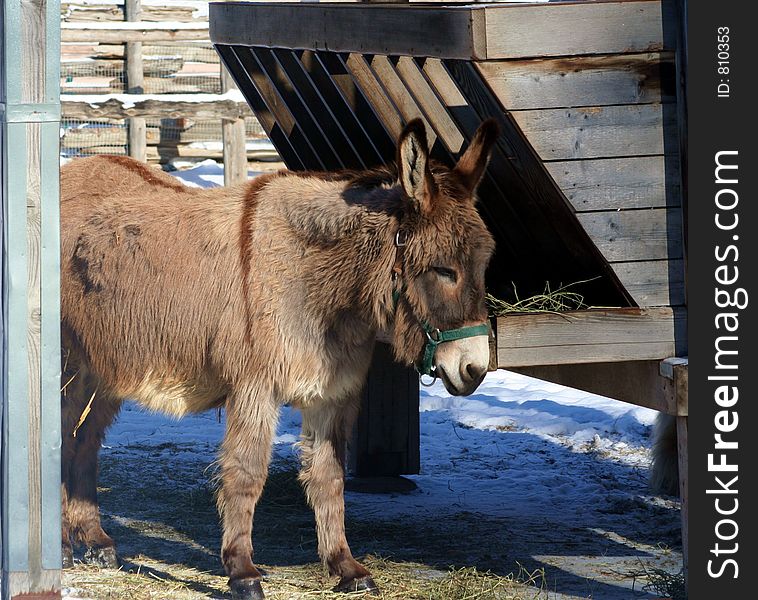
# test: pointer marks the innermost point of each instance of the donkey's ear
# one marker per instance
(413, 166)
(471, 165)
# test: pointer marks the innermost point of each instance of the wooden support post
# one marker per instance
(675, 372)
(386, 437)
(30, 503)
(134, 82)
(233, 136)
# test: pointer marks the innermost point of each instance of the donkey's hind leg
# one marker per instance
(83, 433)
(324, 436)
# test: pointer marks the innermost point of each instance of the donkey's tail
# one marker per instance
(664, 475)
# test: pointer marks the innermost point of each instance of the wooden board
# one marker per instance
(582, 80)
(386, 437)
(456, 32)
(618, 183)
(596, 335)
(636, 382)
(627, 235)
(653, 283)
(595, 132)
(561, 29)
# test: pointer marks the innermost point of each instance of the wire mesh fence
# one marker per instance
(168, 69)
(167, 139)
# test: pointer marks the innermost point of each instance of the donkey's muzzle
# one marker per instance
(462, 364)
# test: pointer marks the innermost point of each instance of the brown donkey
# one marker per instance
(257, 295)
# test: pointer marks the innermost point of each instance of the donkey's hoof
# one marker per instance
(102, 556)
(359, 584)
(246, 589)
(67, 557)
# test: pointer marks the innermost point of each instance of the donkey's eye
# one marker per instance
(446, 273)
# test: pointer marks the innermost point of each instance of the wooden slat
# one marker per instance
(435, 112)
(375, 93)
(618, 183)
(342, 110)
(563, 29)
(289, 139)
(325, 157)
(595, 132)
(599, 335)
(311, 99)
(628, 235)
(635, 382)
(364, 112)
(582, 80)
(653, 283)
(399, 94)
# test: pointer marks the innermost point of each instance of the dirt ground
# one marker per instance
(158, 504)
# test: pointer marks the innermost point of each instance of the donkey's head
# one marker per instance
(441, 320)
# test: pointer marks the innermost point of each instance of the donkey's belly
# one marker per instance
(175, 396)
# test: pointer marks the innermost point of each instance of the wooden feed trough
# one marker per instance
(583, 185)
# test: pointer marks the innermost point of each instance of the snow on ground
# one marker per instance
(514, 446)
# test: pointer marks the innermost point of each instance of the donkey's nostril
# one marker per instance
(471, 372)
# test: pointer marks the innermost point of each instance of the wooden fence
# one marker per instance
(108, 53)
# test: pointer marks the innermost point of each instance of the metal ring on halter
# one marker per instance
(421, 380)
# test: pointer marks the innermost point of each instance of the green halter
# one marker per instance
(434, 336)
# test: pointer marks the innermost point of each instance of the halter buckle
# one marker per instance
(401, 239)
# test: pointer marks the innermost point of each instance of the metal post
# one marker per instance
(30, 545)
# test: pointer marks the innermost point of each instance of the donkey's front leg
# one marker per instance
(324, 433)
(245, 456)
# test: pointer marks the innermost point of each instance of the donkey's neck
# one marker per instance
(353, 230)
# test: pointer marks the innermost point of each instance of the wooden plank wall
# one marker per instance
(605, 127)
(30, 347)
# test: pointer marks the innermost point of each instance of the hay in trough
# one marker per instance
(549, 301)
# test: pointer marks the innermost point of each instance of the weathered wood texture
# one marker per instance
(597, 335)
(122, 107)
(135, 84)
(637, 382)
(478, 32)
(139, 32)
(30, 341)
(233, 138)
(386, 439)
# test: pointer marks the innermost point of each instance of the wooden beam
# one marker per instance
(451, 32)
(586, 336)
(635, 382)
(233, 139)
(361, 28)
(135, 84)
(138, 32)
(165, 107)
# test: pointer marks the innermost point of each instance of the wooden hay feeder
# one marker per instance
(584, 183)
